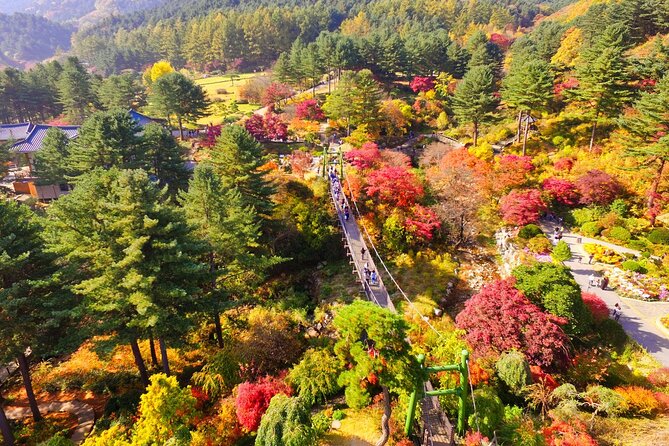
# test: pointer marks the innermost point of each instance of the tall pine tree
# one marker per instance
(51, 164)
(75, 92)
(473, 100)
(175, 94)
(164, 159)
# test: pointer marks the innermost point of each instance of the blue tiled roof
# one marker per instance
(15, 132)
(33, 141)
(141, 119)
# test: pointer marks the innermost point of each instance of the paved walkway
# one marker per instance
(84, 413)
(639, 318)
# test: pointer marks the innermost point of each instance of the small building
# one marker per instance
(32, 143)
(142, 120)
(15, 132)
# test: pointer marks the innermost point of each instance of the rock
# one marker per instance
(336, 424)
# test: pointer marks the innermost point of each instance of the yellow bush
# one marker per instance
(640, 400)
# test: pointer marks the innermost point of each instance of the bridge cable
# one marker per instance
(471, 388)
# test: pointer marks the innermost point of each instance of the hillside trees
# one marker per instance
(134, 256)
(51, 161)
(175, 94)
(357, 100)
(164, 159)
(473, 100)
(75, 91)
(119, 91)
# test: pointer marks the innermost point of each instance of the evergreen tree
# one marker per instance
(107, 139)
(482, 52)
(473, 100)
(75, 92)
(340, 103)
(164, 159)
(51, 161)
(287, 422)
(135, 259)
(603, 77)
(367, 99)
(647, 140)
(528, 87)
(175, 94)
(237, 158)
(119, 92)
(34, 306)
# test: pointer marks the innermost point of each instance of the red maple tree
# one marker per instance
(309, 110)
(253, 400)
(596, 305)
(563, 191)
(394, 185)
(269, 127)
(365, 157)
(422, 83)
(276, 92)
(522, 207)
(597, 187)
(422, 222)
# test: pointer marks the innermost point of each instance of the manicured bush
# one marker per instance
(563, 191)
(529, 231)
(634, 266)
(253, 399)
(564, 164)
(619, 206)
(338, 415)
(639, 400)
(596, 305)
(604, 400)
(315, 376)
(513, 369)
(619, 233)
(591, 229)
(540, 245)
(586, 215)
(321, 423)
(561, 252)
(597, 187)
(659, 236)
(287, 422)
(568, 433)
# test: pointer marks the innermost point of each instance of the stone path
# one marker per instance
(83, 411)
(639, 318)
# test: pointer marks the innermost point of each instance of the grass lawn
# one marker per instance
(211, 86)
(359, 428)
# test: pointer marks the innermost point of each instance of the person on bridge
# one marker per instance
(346, 214)
(362, 253)
(373, 277)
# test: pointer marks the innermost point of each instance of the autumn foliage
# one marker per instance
(309, 110)
(500, 318)
(522, 207)
(394, 185)
(253, 400)
(563, 191)
(512, 171)
(597, 187)
(365, 157)
(269, 127)
(420, 83)
(422, 223)
(596, 305)
(276, 92)
(571, 433)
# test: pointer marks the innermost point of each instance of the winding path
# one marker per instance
(83, 411)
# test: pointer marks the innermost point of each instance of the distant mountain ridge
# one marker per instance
(79, 11)
(28, 38)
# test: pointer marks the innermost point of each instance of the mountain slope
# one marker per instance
(82, 11)
(29, 38)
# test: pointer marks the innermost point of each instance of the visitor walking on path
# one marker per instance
(362, 253)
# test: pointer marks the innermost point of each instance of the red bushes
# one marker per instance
(659, 377)
(564, 164)
(500, 318)
(253, 399)
(522, 207)
(394, 185)
(572, 433)
(422, 222)
(309, 110)
(597, 187)
(598, 308)
(420, 83)
(563, 191)
(267, 128)
(365, 157)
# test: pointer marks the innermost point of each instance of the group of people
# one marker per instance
(370, 275)
(598, 282)
(336, 188)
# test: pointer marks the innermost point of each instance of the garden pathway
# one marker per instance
(639, 318)
(84, 413)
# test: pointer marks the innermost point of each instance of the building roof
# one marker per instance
(15, 132)
(33, 142)
(142, 119)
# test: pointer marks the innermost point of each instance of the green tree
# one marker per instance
(75, 92)
(339, 104)
(34, 306)
(237, 158)
(175, 94)
(367, 99)
(166, 414)
(373, 343)
(119, 91)
(603, 77)
(473, 100)
(5, 156)
(528, 87)
(646, 138)
(315, 376)
(134, 256)
(513, 369)
(107, 139)
(287, 422)
(164, 158)
(51, 164)
(561, 252)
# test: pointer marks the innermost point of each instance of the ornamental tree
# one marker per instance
(522, 207)
(394, 185)
(512, 171)
(597, 187)
(422, 223)
(596, 305)
(276, 92)
(287, 422)
(269, 127)
(315, 376)
(563, 191)
(422, 84)
(253, 399)
(365, 157)
(309, 110)
(500, 319)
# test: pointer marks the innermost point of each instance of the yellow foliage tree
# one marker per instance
(160, 69)
(568, 53)
(357, 26)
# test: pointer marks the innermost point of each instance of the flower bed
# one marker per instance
(638, 286)
(665, 321)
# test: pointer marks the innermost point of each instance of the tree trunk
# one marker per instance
(163, 353)
(594, 129)
(152, 349)
(476, 133)
(219, 329)
(525, 132)
(8, 437)
(385, 419)
(520, 120)
(181, 128)
(653, 191)
(139, 362)
(27, 384)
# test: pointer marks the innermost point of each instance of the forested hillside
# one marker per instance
(27, 37)
(83, 11)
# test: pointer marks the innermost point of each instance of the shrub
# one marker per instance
(659, 377)
(596, 305)
(561, 252)
(338, 415)
(475, 438)
(634, 266)
(489, 410)
(286, 422)
(221, 91)
(540, 245)
(58, 440)
(315, 376)
(586, 215)
(321, 423)
(601, 399)
(563, 191)
(568, 433)
(529, 231)
(591, 229)
(597, 187)
(659, 236)
(564, 164)
(513, 369)
(619, 233)
(253, 399)
(612, 333)
(587, 367)
(619, 206)
(522, 207)
(639, 400)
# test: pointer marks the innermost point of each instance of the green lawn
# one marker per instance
(213, 85)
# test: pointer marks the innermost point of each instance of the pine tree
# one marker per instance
(237, 158)
(34, 306)
(340, 103)
(603, 77)
(118, 92)
(75, 92)
(51, 161)
(473, 100)
(136, 262)
(175, 94)
(287, 422)
(107, 139)
(367, 101)
(647, 140)
(528, 87)
(164, 158)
